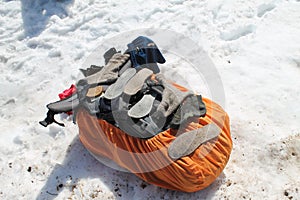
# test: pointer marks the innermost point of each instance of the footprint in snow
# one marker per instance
(238, 33)
(264, 8)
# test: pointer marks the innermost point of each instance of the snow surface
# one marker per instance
(254, 44)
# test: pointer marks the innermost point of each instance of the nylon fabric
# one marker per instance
(189, 173)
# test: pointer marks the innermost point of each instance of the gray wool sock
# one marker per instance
(171, 97)
(109, 73)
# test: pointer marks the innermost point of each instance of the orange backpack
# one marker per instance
(149, 159)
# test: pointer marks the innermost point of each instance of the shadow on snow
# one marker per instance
(79, 164)
(36, 13)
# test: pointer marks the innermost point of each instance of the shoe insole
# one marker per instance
(136, 83)
(117, 88)
(142, 108)
(95, 91)
(188, 142)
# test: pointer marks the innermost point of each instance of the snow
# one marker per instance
(254, 45)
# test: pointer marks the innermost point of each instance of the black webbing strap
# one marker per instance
(50, 119)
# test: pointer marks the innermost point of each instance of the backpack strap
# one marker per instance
(50, 119)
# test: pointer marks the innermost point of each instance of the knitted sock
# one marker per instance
(171, 97)
(109, 72)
